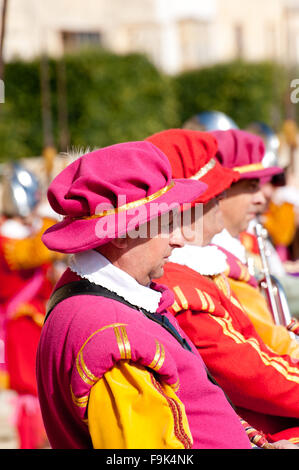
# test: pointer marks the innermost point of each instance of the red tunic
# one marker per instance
(23, 297)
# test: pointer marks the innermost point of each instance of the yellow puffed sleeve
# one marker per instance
(129, 409)
(275, 336)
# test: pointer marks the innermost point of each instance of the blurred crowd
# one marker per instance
(266, 249)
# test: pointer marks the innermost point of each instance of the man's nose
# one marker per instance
(176, 238)
(259, 197)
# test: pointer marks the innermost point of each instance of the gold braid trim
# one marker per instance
(251, 167)
(86, 375)
(130, 205)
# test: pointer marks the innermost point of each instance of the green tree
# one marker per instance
(246, 92)
(110, 99)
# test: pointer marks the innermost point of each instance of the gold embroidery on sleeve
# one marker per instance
(179, 431)
(79, 401)
(159, 358)
(222, 283)
(278, 363)
(175, 386)
(175, 306)
(181, 297)
(86, 375)
(123, 342)
(211, 307)
(204, 303)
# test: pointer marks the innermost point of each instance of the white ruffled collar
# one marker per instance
(97, 269)
(231, 244)
(206, 260)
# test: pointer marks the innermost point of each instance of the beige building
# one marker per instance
(175, 34)
(155, 27)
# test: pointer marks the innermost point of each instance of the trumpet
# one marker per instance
(270, 285)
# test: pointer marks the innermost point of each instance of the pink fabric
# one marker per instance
(109, 178)
(212, 421)
(239, 148)
(3, 367)
(236, 267)
(282, 252)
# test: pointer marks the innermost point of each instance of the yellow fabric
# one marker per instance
(30, 252)
(280, 222)
(4, 380)
(129, 409)
(28, 310)
(275, 336)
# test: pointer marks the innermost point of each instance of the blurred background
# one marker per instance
(92, 73)
(83, 74)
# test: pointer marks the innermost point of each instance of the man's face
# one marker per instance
(268, 191)
(243, 201)
(212, 219)
(205, 223)
(147, 256)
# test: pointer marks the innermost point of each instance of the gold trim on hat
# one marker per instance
(130, 205)
(204, 170)
(251, 167)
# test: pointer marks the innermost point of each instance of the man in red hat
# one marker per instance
(262, 384)
(114, 369)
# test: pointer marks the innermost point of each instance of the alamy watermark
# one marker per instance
(149, 220)
(2, 91)
(295, 93)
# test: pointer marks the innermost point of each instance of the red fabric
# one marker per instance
(188, 151)
(21, 336)
(237, 148)
(29, 423)
(262, 385)
(21, 346)
(12, 281)
(250, 242)
(289, 434)
(21, 333)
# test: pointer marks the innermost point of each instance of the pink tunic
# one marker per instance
(85, 336)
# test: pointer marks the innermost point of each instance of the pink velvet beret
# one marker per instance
(110, 191)
(243, 152)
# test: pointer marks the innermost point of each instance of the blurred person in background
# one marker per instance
(26, 279)
(279, 217)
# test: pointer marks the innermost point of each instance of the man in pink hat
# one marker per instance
(262, 384)
(114, 369)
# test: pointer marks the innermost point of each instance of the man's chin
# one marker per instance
(158, 273)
